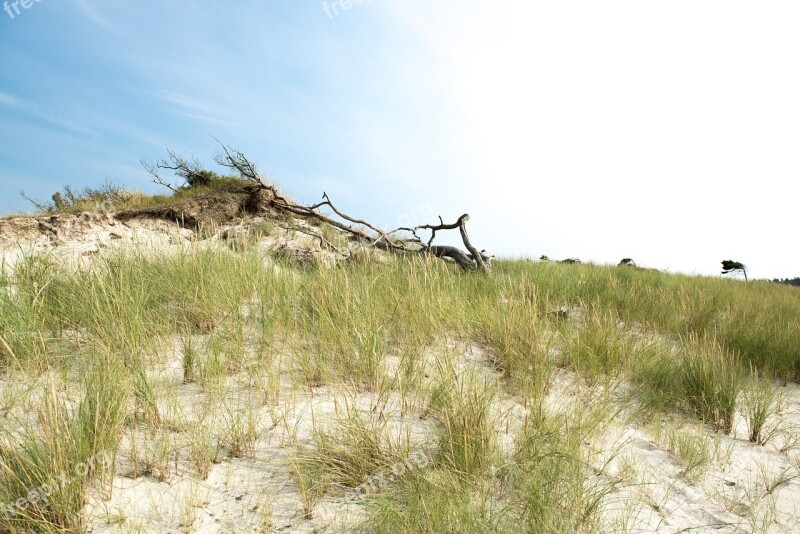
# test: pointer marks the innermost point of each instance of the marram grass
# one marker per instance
(691, 345)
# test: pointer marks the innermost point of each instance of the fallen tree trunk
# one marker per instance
(357, 229)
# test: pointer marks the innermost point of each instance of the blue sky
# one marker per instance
(596, 130)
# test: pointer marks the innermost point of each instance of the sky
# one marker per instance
(667, 132)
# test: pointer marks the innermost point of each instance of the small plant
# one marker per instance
(467, 445)
(598, 347)
(240, 431)
(691, 445)
(519, 342)
(760, 399)
(355, 449)
(45, 469)
(145, 396)
(201, 177)
(189, 357)
(711, 378)
(149, 453)
(204, 451)
(211, 369)
(771, 482)
(189, 504)
(699, 378)
(433, 500)
(89, 199)
(159, 450)
(551, 491)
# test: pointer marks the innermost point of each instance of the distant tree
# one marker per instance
(734, 267)
(570, 261)
(788, 281)
(544, 258)
(627, 262)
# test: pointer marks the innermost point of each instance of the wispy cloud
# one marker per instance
(89, 9)
(191, 107)
(35, 110)
(9, 101)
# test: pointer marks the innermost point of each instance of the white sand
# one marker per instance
(744, 488)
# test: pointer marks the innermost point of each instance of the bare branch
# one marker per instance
(322, 240)
(152, 169)
(477, 256)
(234, 159)
(40, 206)
(474, 259)
(356, 229)
(440, 226)
(382, 237)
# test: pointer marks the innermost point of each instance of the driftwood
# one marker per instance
(357, 229)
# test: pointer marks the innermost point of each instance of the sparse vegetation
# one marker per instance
(111, 197)
(413, 353)
(760, 400)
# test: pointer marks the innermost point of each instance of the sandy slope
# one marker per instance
(76, 240)
(743, 487)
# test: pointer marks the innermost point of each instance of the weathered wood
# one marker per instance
(236, 161)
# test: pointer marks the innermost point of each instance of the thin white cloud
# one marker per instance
(191, 107)
(182, 100)
(9, 101)
(33, 109)
(90, 10)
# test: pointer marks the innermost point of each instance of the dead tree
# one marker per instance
(471, 260)
(359, 230)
